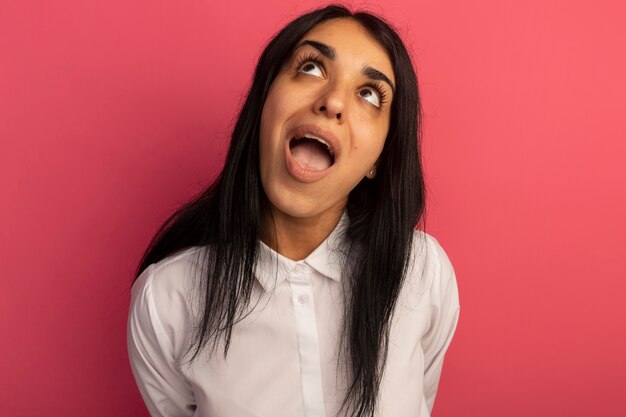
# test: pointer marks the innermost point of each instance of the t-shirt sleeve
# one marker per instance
(445, 315)
(163, 387)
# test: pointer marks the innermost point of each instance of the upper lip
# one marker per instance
(326, 135)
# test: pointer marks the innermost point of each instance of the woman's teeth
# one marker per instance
(310, 136)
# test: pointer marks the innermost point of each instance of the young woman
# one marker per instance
(297, 283)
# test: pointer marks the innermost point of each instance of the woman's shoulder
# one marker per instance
(428, 250)
(173, 272)
(430, 270)
(166, 288)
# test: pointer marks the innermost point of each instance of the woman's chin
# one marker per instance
(296, 205)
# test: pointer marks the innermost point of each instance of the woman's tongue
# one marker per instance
(310, 156)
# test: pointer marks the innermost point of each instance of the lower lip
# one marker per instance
(302, 174)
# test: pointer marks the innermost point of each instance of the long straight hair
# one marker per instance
(383, 213)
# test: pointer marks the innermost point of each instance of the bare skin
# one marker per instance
(299, 236)
(348, 95)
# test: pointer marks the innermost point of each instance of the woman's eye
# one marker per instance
(370, 95)
(311, 68)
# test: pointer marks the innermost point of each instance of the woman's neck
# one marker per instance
(297, 237)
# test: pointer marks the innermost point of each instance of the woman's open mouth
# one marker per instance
(310, 153)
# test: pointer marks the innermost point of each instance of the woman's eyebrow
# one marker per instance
(329, 52)
(374, 74)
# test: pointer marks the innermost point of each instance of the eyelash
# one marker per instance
(377, 85)
(374, 84)
(311, 57)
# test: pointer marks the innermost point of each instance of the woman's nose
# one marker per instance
(332, 102)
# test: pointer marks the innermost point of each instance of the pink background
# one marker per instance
(114, 113)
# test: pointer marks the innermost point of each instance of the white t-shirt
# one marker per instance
(282, 360)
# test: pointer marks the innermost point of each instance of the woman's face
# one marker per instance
(336, 88)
